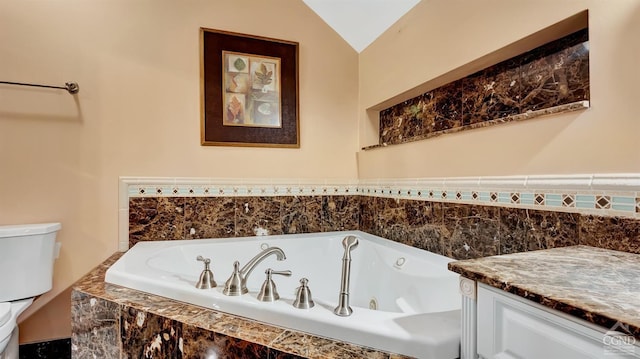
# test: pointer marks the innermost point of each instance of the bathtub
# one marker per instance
(404, 300)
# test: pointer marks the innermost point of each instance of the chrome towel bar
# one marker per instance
(71, 87)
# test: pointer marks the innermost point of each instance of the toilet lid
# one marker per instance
(5, 312)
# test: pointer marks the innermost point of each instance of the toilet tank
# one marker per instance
(27, 253)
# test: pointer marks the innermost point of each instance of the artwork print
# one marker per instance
(251, 90)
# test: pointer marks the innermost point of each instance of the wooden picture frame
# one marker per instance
(249, 90)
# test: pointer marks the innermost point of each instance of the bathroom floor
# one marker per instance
(54, 349)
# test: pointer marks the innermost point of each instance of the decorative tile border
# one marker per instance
(190, 187)
(598, 194)
(606, 195)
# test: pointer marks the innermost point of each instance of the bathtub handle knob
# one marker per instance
(206, 280)
(303, 296)
(233, 286)
(269, 293)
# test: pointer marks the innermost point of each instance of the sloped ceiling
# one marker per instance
(360, 22)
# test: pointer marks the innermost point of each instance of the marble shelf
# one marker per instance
(570, 107)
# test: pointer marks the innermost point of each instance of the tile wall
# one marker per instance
(458, 218)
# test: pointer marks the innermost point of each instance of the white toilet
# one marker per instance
(27, 253)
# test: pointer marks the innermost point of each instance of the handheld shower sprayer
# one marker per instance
(343, 309)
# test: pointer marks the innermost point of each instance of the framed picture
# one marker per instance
(249, 90)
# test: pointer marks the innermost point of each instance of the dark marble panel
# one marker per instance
(524, 230)
(429, 112)
(232, 348)
(95, 327)
(198, 343)
(309, 346)
(470, 231)
(146, 335)
(556, 73)
(412, 123)
(427, 237)
(340, 213)
(156, 218)
(419, 213)
(620, 234)
(397, 232)
(387, 133)
(301, 214)
(368, 214)
(514, 232)
(52, 349)
(209, 217)
(392, 217)
(448, 100)
(549, 229)
(276, 354)
(258, 216)
(313, 210)
(403, 121)
(492, 93)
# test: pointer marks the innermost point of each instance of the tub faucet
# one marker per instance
(343, 309)
(237, 283)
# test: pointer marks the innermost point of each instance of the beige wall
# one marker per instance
(438, 37)
(137, 114)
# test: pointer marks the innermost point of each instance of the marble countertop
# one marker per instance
(598, 285)
(285, 340)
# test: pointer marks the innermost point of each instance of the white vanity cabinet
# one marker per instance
(509, 326)
(550, 304)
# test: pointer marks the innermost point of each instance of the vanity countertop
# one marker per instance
(598, 285)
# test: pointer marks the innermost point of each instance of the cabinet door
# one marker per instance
(509, 327)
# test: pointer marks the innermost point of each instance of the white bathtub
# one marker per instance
(418, 305)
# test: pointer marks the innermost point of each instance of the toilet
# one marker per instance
(27, 253)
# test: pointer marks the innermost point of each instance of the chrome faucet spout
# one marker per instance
(248, 268)
(237, 283)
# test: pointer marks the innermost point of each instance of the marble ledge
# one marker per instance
(597, 285)
(570, 107)
(282, 339)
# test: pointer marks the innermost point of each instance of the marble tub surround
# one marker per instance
(109, 321)
(462, 231)
(597, 285)
(459, 231)
(548, 79)
(460, 218)
(166, 218)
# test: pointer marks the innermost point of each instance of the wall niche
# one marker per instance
(551, 78)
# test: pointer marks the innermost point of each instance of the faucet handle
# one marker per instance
(206, 280)
(233, 285)
(203, 259)
(286, 273)
(303, 296)
(268, 293)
